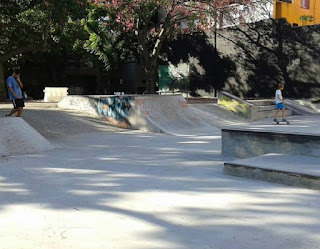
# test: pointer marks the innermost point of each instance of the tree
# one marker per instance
(103, 42)
(306, 18)
(147, 24)
(26, 26)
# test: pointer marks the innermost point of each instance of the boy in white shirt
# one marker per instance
(280, 104)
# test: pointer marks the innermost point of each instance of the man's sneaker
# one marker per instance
(275, 120)
(284, 120)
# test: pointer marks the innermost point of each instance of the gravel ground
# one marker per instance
(54, 123)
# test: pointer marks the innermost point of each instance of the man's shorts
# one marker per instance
(17, 103)
(280, 106)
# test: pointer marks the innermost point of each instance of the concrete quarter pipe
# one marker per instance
(169, 114)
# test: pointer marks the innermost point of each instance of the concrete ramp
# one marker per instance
(302, 109)
(154, 113)
(171, 114)
(18, 137)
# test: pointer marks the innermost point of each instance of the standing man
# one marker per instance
(14, 85)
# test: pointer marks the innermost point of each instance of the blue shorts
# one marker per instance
(280, 106)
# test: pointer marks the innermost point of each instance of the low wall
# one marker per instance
(238, 105)
(249, 143)
(113, 109)
(55, 94)
(122, 111)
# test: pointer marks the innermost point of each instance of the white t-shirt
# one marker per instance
(278, 96)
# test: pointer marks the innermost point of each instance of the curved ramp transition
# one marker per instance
(155, 113)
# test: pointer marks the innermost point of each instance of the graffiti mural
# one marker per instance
(115, 110)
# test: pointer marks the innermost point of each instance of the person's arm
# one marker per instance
(278, 97)
(19, 82)
(13, 93)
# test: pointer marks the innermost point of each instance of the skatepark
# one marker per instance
(180, 176)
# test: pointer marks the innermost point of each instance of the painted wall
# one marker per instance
(293, 11)
(115, 110)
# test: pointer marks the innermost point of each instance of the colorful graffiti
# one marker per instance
(115, 110)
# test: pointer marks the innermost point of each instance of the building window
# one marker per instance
(305, 4)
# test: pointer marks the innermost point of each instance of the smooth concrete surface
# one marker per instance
(301, 171)
(131, 190)
(109, 188)
(299, 124)
(172, 115)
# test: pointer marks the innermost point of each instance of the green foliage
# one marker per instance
(28, 26)
(306, 18)
(103, 41)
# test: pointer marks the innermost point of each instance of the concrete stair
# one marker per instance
(293, 170)
(267, 109)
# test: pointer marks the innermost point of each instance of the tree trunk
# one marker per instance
(151, 73)
(99, 89)
(3, 95)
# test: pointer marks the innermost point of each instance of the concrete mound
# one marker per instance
(18, 137)
(169, 114)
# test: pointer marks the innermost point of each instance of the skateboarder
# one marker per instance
(280, 104)
(14, 85)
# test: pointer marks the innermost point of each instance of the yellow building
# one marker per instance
(295, 10)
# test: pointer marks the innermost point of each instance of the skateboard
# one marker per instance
(282, 122)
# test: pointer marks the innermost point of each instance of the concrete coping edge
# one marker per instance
(236, 98)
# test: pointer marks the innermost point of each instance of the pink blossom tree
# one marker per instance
(148, 23)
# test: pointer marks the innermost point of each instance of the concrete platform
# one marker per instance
(246, 143)
(300, 171)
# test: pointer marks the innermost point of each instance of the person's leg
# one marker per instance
(20, 109)
(275, 116)
(284, 114)
(12, 112)
(15, 108)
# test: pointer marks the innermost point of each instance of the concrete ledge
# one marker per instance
(250, 143)
(55, 94)
(300, 171)
(236, 104)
